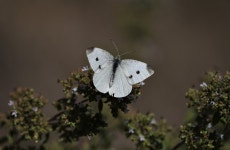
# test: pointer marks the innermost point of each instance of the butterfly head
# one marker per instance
(118, 57)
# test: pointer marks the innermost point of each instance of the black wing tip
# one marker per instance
(89, 50)
(150, 70)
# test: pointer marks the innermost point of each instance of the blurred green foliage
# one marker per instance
(209, 128)
(25, 119)
(146, 132)
(86, 118)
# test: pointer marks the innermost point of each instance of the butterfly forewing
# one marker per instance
(98, 58)
(135, 71)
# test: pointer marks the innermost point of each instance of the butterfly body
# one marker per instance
(116, 63)
(114, 75)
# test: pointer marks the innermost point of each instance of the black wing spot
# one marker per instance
(130, 77)
(97, 59)
(138, 72)
(99, 66)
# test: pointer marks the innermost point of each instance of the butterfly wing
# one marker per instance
(135, 71)
(101, 62)
(98, 58)
(102, 78)
(128, 72)
(120, 87)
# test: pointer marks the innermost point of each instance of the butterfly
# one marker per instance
(113, 75)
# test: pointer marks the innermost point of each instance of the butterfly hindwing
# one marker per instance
(120, 86)
(101, 79)
(98, 58)
(135, 71)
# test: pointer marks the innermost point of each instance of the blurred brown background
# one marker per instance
(42, 41)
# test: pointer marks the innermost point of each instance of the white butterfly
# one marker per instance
(113, 75)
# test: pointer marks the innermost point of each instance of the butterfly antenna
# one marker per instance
(127, 52)
(115, 46)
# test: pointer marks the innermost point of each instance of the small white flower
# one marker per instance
(141, 138)
(131, 130)
(35, 109)
(89, 137)
(222, 136)
(153, 121)
(142, 83)
(74, 90)
(11, 103)
(203, 84)
(212, 103)
(196, 137)
(85, 68)
(220, 77)
(14, 113)
(209, 125)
